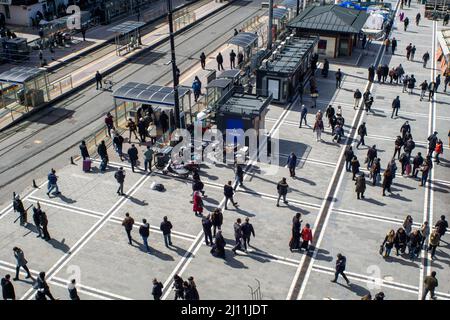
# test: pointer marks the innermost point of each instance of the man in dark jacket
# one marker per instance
(84, 150)
(133, 156)
(98, 79)
(398, 146)
(395, 107)
(442, 226)
(237, 235)
(228, 192)
(292, 163)
(430, 283)
(417, 162)
(8, 288)
(371, 155)
(37, 219)
(142, 129)
(340, 268)
(232, 59)
(73, 293)
(120, 178)
(144, 231)
(216, 220)
(348, 154)
(303, 114)
(432, 140)
(394, 45)
(357, 96)
(166, 227)
(282, 188)
(218, 248)
(118, 144)
(103, 153)
(44, 224)
(247, 231)
(371, 73)
(18, 207)
(219, 60)
(338, 75)
(178, 286)
(42, 287)
(294, 243)
(157, 289)
(128, 223)
(362, 132)
(207, 225)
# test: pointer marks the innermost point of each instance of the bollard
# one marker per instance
(71, 160)
(34, 184)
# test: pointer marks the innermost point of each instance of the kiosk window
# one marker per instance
(322, 46)
(274, 88)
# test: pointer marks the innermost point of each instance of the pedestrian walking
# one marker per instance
(52, 183)
(37, 219)
(102, 151)
(413, 53)
(166, 228)
(148, 159)
(197, 88)
(197, 204)
(219, 60)
(362, 132)
(207, 225)
(432, 141)
(417, 162)
(407, 225)
(291, 164)
(128, 223)
(329, 113)
(439, 149)
(237, 235)
(414, 244)
(84, 150)
(385, 72)
(360, 186)
(388, 243)
(109, 123)
(21, 262)
(357, 96)
(340, 268)
(120, 178)
(338, 78)
(431, 90)
(73, 293)
(8, 292)
(318, 128)
(118, 144)
(192, 292)
(98, 79)
(400, 241)
(398, 144)
(406, 23)
(239, 174)
(216, 220)
(44, 225)
(423, 89)
(371, 73)
(178, 287)
(294, 243)
(282, 188)
(408, 51)
(430, 283)
(142, 129)
(425, 58)
(247, 232)
(372, 154)
(19, 207)
(348, 154)
(42, 288)
(133, 156)
(425, 168)
(411, 84)
(325, 68)
(307, 237)
(232, 59)
(379, 73)
(437, 81)
(433, 243)
(441, 226)
(355, 167)
(203, 60)
(144, 232)
(164, 121)
(395, 107)
(394, 45)
(228, 192)
(157, 289)
(424, 233)
(303, 114)
(131, 125)
(387, 180)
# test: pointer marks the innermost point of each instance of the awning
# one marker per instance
(149, 94)
(244, 39)
(219, 83)
(229, 74)
(127, 27)
(20, 75)
(279, 13)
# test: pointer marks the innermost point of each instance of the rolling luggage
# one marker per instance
(87, 165)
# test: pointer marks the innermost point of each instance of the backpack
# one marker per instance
(158, 187)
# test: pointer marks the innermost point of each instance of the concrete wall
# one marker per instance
(331, 44)
(20, 15)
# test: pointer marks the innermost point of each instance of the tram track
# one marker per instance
(193, 32)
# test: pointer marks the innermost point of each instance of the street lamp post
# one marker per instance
(174, 67)
(269, 36)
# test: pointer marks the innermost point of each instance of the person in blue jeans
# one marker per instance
(166, 228)
(52, 183)
(144, 231)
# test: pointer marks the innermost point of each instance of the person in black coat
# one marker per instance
(296, 227)
(84, 150)
(164, 121)
(218, 248)
(37, 219)
(247, 232)
(103, 153)
(216, 220)
(157, 289)
(228, 192)
(340, 268)
(8, 288)
(73, 293)
(178, 286)
(190, 290)
(133, 156)
(207, 225)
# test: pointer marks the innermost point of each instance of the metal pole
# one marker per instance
(298, 7)
(269, 36)
(174, 67)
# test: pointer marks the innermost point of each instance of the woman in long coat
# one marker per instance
(198, 204)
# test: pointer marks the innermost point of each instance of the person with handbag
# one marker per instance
(198, 204)
(388, 243)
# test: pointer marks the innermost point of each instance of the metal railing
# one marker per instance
(60, 86)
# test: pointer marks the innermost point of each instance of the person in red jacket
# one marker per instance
(198, 204)
(306, 237)
(438, 150)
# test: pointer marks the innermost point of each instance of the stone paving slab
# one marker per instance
(110, 263)
(65, 228)
(239, 271)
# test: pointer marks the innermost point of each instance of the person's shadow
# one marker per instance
(60, 245)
